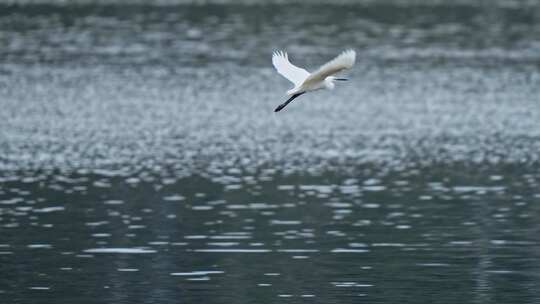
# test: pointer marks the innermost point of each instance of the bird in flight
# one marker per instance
(304, 81)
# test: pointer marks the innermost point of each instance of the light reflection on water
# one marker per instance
(106, 86)
(141, 160)
(424, 229)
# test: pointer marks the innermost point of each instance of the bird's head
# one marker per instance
(334, 78)
(331, 79)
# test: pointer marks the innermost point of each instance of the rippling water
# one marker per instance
(141, 161)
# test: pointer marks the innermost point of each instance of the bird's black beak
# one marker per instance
(341, 79)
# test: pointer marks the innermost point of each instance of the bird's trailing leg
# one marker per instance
(283, 105)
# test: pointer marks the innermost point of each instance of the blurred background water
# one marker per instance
(141, 161)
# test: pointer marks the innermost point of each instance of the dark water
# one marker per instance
(141, 162)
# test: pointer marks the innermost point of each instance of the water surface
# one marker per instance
(141, 161)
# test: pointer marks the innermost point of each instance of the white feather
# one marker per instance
(321, 79)
(342, 62)
(288, 70)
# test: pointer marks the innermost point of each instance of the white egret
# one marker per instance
(304, 81)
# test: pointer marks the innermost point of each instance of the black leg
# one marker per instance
(283, 105)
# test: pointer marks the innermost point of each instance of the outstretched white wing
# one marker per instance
(288, 70)
(344, 61)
